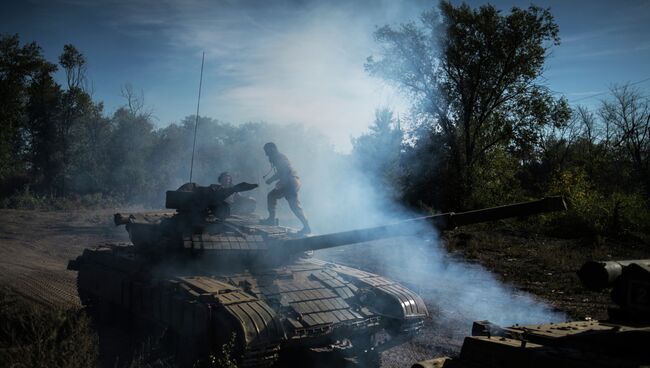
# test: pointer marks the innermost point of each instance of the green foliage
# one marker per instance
(592, 213)
(473, 73)
(32, 335)
(379, 151)
(29, 200)
(482, 131)
(151, 355)
(25, 199)
(20, 67)
(225, 359)
(587, 213)
(497, 182)
(47, 132)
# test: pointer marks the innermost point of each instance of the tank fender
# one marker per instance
(255, 321)
(388, 298)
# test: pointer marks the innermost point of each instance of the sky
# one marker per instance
(298, 61)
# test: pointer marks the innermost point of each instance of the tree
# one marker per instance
(378, 152)
(627, 115)
(74, 65)
(474, 74)
(76, 106)
(20, 67)
(130, 145)
(43, 112)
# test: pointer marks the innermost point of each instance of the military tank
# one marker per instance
(207, 276)
(620, 341)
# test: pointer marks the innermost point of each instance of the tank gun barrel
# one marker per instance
(444, 221)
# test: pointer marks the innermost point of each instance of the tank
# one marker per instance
(620, 341)
(206, 276)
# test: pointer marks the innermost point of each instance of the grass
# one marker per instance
(32, 335)
(35, 335)
(29, 200)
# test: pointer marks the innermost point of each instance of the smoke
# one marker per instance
(279, 80)
(338, 195)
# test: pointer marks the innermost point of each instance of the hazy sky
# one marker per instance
(297, 61)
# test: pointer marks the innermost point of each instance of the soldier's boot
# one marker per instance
(271, 203)
(305, 229)
(271, 220)
(294, 204)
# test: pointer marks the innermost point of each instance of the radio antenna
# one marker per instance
(196, 122)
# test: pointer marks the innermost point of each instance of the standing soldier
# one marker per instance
(287, 187)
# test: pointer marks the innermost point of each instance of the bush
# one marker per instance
(24, 199)
(592, 213)
(28, 200)
(32, 335)
(496, 182)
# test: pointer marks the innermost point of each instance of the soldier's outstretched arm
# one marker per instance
(273, 178)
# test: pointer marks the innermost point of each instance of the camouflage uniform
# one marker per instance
(287, 187)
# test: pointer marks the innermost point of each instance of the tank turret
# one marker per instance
(194, 198)
(197, 207)
(201, 224)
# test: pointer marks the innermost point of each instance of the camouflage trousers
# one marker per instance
(290, 192)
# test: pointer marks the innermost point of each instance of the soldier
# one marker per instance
(287, 187)
(239, 204)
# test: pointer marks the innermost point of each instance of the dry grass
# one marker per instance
(32, 335)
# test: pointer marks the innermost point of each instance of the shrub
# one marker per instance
(592, 213)
(32, 335)
(29, 200)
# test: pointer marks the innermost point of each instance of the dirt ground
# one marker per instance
(544, 266)
(35, 247)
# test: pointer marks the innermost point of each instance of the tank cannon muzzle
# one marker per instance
(444, 221)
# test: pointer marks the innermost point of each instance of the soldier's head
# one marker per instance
(225, 179)
(270, 149)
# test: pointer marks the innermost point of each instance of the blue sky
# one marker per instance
(298, 61)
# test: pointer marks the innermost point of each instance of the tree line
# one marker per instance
(57, 142)
(483, 129)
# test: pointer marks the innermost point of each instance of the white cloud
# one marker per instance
(278, 64)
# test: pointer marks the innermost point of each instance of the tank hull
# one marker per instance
(206, 277)
(605, 344)
(307, 310)
(620, 341)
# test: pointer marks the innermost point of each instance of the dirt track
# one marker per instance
(35, 247)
